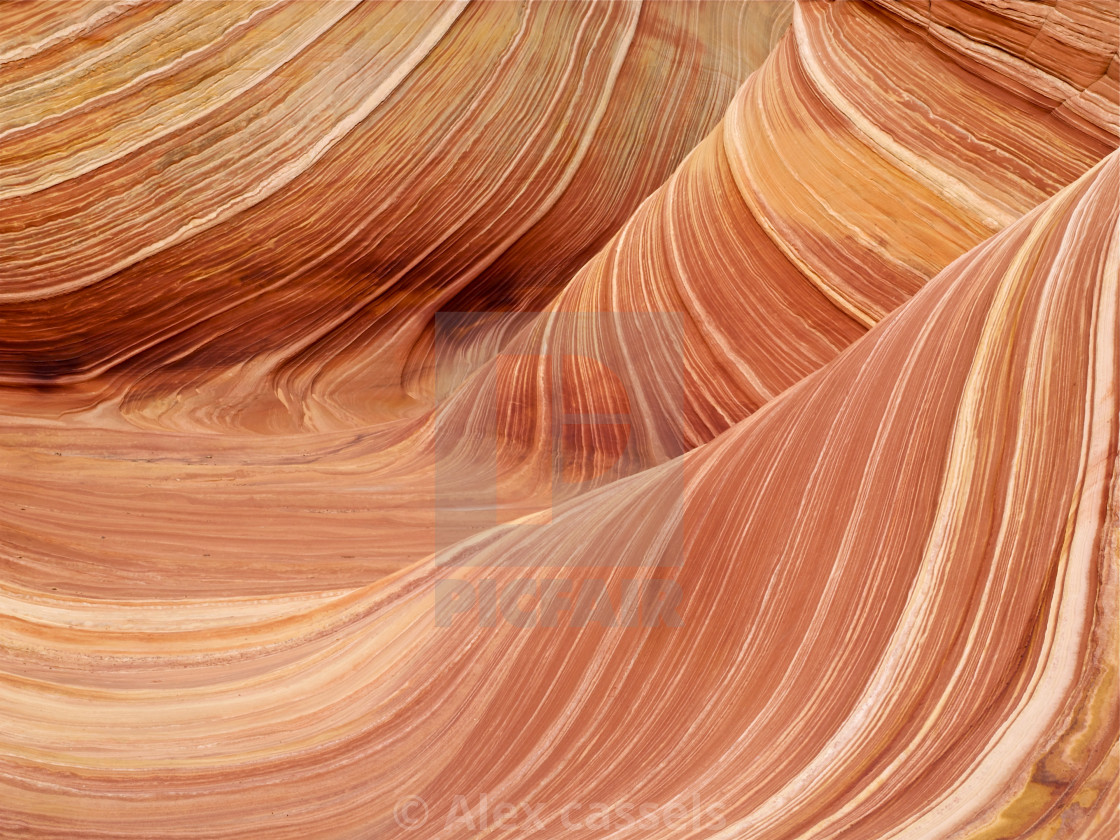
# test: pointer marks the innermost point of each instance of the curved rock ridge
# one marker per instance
(560, 419)
(287, 192)
(1062, 51)
(830, 195)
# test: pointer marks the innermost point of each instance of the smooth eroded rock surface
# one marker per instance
(649, 420)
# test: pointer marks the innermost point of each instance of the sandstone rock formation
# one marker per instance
(559, 419)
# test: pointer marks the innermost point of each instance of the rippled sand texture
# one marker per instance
(842, 278)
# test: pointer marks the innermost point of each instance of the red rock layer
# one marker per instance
(315, 180)
(1063, 52)
(834, 189)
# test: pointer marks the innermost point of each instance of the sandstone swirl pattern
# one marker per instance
(849, 272)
